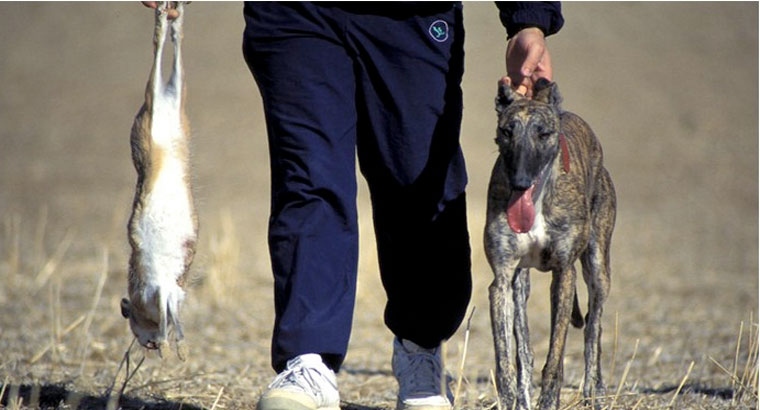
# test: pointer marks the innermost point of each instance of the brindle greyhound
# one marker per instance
(550, 202)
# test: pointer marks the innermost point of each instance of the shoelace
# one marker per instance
(305, 378)
(420, 375)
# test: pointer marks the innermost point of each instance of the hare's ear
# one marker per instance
(505, 95)
(547, 92)
(125, 308)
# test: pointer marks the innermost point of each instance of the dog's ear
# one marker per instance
(546, 91)
(505, 95)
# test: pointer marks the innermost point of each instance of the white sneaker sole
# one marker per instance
(288, 400)
(403, 406)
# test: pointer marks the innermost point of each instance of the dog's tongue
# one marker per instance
(520, 210)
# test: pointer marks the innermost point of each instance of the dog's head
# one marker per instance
(528, 133)
(528, 140)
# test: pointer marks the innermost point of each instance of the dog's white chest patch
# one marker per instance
(530, 245)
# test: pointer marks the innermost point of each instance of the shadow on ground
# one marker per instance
(353, 406)
(724, 393)
(56, 395)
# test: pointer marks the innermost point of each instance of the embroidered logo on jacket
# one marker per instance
(439, 31)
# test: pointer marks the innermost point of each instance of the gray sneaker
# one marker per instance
(418, 372)
(305, 384)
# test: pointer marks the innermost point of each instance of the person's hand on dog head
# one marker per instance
(528, 60)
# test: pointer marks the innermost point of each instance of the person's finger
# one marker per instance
(522, 89)
(514, 62)
(516, 80)
(532, 59)
(544, 68)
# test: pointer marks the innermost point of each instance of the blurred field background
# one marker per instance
(671, 90)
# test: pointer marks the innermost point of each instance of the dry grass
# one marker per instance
(81, 358)
(680, 326)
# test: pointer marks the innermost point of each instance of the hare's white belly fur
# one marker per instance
(166, 223)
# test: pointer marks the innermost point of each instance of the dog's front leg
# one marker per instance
(502, 314)
(562, 294)
(502, 254)
(521, 286)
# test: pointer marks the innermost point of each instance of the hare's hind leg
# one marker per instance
(156, 85)
(177, 76)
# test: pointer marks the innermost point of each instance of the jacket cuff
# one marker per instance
(545, 15)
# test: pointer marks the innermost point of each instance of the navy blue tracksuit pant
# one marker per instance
(381, 81)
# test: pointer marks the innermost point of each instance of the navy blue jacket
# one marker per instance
(517, 15)
(514, 15)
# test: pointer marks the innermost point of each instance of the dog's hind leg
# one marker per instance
(596, 272)
(521, 287)
(502, 311)
(562, 293)
(598, 288)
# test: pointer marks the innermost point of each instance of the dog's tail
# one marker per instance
(576, 319)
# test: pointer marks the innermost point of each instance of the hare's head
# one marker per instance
(151, 318)
(145, 324)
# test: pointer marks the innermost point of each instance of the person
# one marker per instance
(380, 81)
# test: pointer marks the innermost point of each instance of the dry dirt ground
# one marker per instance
(671, 89)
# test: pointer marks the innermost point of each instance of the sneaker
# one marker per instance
(305, 384)
(418, 372)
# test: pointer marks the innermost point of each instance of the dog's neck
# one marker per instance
(543, 177)
(560, 164)
(564, 152)
(563, 157)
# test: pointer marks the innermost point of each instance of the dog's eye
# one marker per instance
(504, 134)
